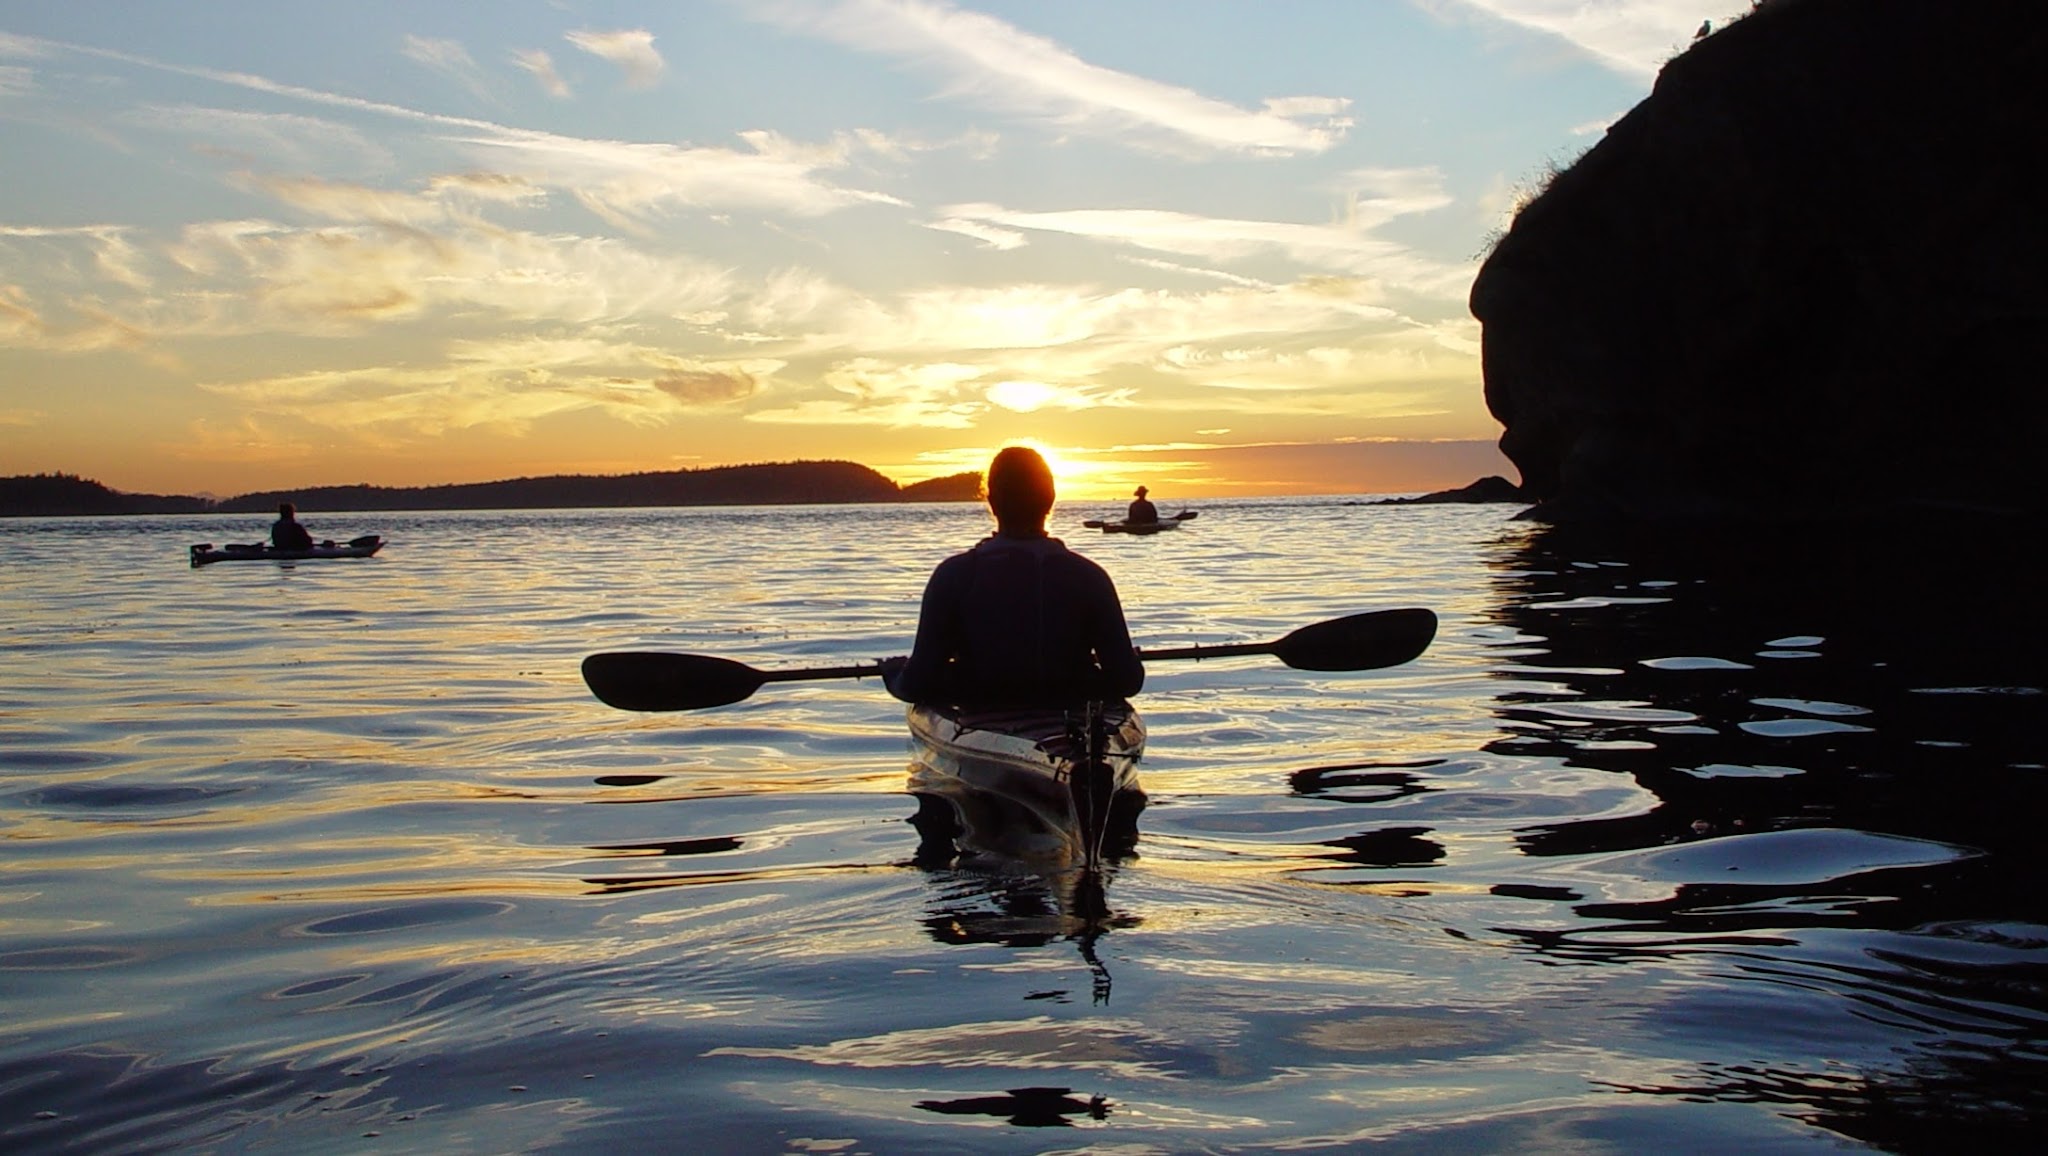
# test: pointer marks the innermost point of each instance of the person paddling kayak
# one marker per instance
(1019, 620)
(1142, 511)
(287, 533)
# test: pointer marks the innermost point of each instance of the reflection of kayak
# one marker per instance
(361, 547)
(1023, 784)
(1172, 523)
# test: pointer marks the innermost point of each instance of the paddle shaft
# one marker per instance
(1199, 652)
(657, 681)
(808, 673)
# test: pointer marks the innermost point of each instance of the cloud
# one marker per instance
(632, 50)
(275, 139)
(871, 391)
(16, 81)
(446, 199)
(504, 386)
(19, 320)
(1000, 65)
(990, 237)
(542, 68)
(23, 47)
(1032, 396)
(1634, 37)
(246, 440)
(621, 181)
(277, 277)
(1347, 247)
(448, 57)
(701, 386)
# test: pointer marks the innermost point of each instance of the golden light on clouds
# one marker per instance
(1021, 396)
(526, 244)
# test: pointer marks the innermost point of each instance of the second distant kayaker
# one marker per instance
(1019, 620)
(1142, 512)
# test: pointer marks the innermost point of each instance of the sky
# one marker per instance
(1217, 247)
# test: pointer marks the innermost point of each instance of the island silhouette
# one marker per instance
(764, 484)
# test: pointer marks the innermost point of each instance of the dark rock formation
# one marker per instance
(1802, 279)
(1491, 488)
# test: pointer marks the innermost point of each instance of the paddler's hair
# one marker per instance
(1020, 488)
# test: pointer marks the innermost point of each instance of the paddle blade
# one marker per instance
(652, 680)
(1359, 641)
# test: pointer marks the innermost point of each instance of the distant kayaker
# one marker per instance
(286, 533)
(1019, 620)
(1142, 512)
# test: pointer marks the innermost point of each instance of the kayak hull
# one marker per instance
(1025, 784)
(1172, 523)
(1138, 527)
(205, 554)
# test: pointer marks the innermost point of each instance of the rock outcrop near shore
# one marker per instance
(1804, 278)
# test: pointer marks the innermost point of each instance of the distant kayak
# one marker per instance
(1172, 523)
(362, 547)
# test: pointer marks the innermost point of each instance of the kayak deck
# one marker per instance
(204, 553)
(1128, 527)
(1023, 783)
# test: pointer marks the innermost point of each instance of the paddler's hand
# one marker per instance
(892, 669)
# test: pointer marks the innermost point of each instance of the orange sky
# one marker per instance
(1219, 249)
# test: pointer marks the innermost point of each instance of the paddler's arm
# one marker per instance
(923, 677)
(1123, 675)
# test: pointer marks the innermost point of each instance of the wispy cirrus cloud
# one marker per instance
(1342, 247)
(992, 61)
(505, 385)
(1634, 37)
(988, 235)
(274, 139)
(632, 50)
(621, 181)
(1370, 198)
(541, 67)
(873, 391)
(21, 47)
(345, 275)
(450, 58)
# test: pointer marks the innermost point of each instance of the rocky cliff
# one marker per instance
(1804, 278)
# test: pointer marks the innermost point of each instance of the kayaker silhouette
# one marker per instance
(1142, 511)
(1019, 620)
(286, 533)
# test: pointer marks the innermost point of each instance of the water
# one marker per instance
(1659, 844)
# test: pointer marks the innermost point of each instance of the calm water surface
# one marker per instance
(1658, 845)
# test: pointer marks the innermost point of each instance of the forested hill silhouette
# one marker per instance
(776, 483)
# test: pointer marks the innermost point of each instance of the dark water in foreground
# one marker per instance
(1668, 844)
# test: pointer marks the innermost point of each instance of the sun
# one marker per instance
(1079, 475)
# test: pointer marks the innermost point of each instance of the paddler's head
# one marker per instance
(1020, 491)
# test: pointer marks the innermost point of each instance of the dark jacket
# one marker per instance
(287, 534)
(1019, 622)
(1141, 512)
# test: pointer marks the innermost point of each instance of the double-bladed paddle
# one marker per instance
(657, 680)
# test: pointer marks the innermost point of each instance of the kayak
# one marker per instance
(1023, 782)
(1172, 523)
(362, 547)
